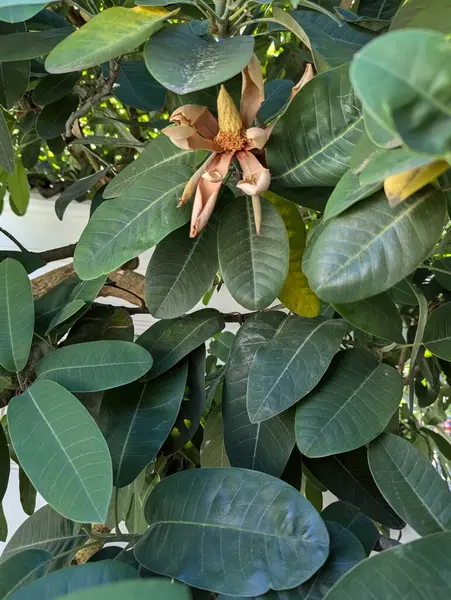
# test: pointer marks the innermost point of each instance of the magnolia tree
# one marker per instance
(298, 155)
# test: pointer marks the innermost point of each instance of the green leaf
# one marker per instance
(153, 589)
(289, 366)
(53, 117)
(4, 463)
(424, 14)
(332, 43)
(30, 261)
(220, 347)
(378, 9)
(410, 484)
(184, 62)
(213, 451)
(254, 266)
(76, 190)
(415, 571)
(102, 323)
(312, 142)
(25, 45)
(6, 146)
(442, 441)
(348, 477)
(181, 270)
(412, 102)
(50, 304)
(94, 366)
(52, 88)
(16, 315)
(352, 518)
(65, 314)
(264, 446)
(277, 94)
(27, 493)
(160, 152)
(350, 406)
(69, 464)
(90, 575)
(135, 87)
(17, 14)
(46, 530)
(31, 151)
(437, 334)
(127, 226)
(21, 569)
(136, 430)
(348, 191)
(111, 33)
(19, 189)
(3, 525)
(245, 507)
(14, 77)
(387, 162)
(360, 253)
(171, 340)
(377, 316)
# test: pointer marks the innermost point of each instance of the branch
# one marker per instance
(57, 253)
(13, 239)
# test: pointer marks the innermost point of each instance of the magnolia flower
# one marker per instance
(231, 135)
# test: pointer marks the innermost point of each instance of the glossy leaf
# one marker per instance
(348, 191)
(17, 14)
(67, 581)
(289, 366)
(184, 62)
(437, 334)
(135, 430)
(6, 146)
(77, 190)
(74, 456)
(358, 254)
(352, 518)
(350, 406)
(4, 463)
(171, 340)
(21, 569)
(53, 88)
(181, 270)
(410, 484)
(348, 477)
(16, 315)
(407, 573)
(111, 33)
(377, 316)
(424, 14)
(93, 366)
(245, 507)
(14, 78)
(19, 189)
(102, 323)
(135, 87)
(153, 589)
(412, 102)
(53, 117)
(213, 451)
(383, 163)
(65, 314)
(264, 446)
(25, 45)
(254, 266)
(379, 9)
(312, 142)
(277, 94)
(124, 228)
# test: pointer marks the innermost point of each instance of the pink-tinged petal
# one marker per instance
(256, 178)
(199, 117)
(187, 138)
(192, 183)
(257, 210)
(308, 75)
(257, 138)
(207, 192)
(252, 92)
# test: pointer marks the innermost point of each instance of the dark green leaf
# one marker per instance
(348, 477)
(353, 519)
(94, 366)
(437, 334)
(264, 446)
(442, 441)
(136, 430)
(102, 323)
(153, 589)
(76, 190)
(52, 88)
(14, 77)
(245, 507)
(16, 315)
(277, 93)
(184, 62)
(351, 405)
(290, 365)
(135, 87)
(31, 151)
(6, 146)
(69, 464)
(22, 46)
(4, 463)
(254, 266)
(402, 293)
(181, 270)
(48, 305)
(52, 119)
(19, 189)
(220, 347)
(377, 316)
(361, 252)
(213, 451)
(312, 142)
(410, 484)
(27, 493)
(65, 314)
(171, 340)
(416, 571)
(348, 191)
(21, 569)
(423, 14)
(379, 9)
(16, 14)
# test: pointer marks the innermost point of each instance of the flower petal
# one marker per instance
(308, 75)
(256, 178)
(252, 92)
(257, 138)
(187, 138)
(199, 117)
(193, 182)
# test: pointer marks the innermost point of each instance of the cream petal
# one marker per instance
(187, 114)
(257, 138)
(252, 92)
(192, 183)
(256, 178)
(187, 138)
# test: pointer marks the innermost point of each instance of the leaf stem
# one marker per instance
(13, 239)
(436, 269)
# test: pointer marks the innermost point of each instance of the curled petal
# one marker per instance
(192, 183)
(199, 117)
(256, 178)
(257, 138)
(308, 75)
(252, 92)
(187, 138)
(257, 210)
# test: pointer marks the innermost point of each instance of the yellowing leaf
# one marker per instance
(296, 293)
(111, 33)
(403, 185)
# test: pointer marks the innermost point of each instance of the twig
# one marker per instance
(57, 253)
(13, 239)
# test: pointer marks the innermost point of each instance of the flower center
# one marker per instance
(231, 142)
(231, 137)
